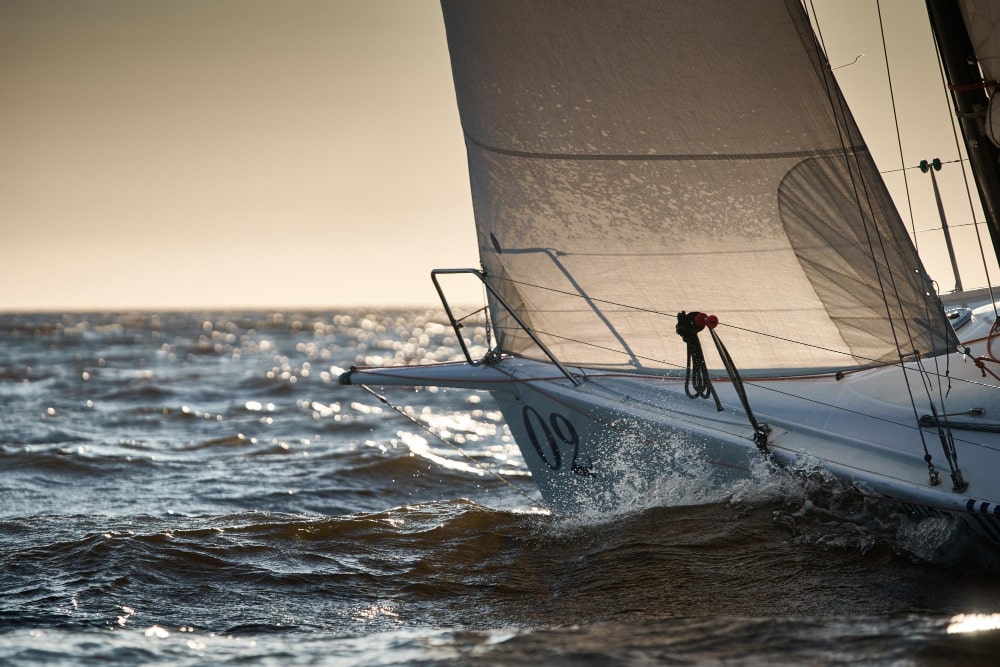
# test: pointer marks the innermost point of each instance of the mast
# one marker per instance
(969, 96)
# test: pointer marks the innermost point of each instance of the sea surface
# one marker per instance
(197, 489)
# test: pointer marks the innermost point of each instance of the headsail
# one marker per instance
(632, 160)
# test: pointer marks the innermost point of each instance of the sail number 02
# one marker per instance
(545, 434)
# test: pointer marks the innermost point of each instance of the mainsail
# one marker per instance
(632, 160)
(982, 20)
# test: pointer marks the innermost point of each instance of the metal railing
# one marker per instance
(457, 326)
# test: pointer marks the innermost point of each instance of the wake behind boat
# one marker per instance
(685, 241)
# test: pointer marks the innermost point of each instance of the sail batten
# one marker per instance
(627, 156)
(632, 160)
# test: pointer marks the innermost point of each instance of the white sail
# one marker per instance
(632, 160)
(982, 20)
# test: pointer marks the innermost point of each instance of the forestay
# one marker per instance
(634, 159)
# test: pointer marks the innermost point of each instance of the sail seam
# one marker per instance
(826, 152)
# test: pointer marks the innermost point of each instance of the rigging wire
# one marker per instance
(943, 162)
(965, 179)
(766, 387)
(838, 104)
(873, 363)
(651, 311)
(925, 381)
(861, 187)
(945, 434)
(895, 121)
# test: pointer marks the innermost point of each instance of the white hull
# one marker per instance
(608, 442)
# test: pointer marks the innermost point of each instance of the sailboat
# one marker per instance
(692, 264)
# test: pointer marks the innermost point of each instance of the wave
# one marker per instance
(135, 391)
(462, 564)
(883, 639)
(78, 458)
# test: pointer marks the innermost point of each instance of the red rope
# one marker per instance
(981, 85)
(981, 365)
(981, 361)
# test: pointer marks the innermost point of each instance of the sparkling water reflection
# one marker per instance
(197, 488)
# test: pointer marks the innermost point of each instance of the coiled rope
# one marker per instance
(698, 382)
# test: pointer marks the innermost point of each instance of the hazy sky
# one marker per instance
(240, 153)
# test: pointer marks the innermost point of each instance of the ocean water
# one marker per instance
(197, 489)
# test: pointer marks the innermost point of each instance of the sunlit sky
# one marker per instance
(302, 153)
